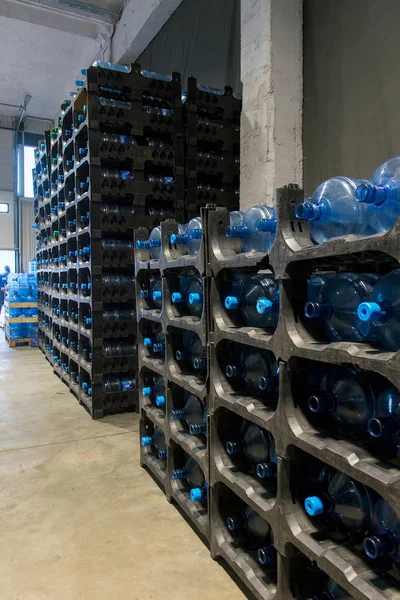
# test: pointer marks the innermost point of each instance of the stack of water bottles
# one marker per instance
(21, 316)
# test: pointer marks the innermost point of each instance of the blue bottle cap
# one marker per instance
(196, 494)
(314, 506)
(157, 295)
(369, 311)
(195, 298)
(263, 306)
(160, 400)
(147, 342)
(176, 297)
(172, 238)
(146, 391)
(231, 302)
(146, 440)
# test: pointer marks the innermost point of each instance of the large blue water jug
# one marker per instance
(193, 413)
(344, 400)
(258, 448)
(152, 292)
(156, 343)
(255, 369)
(385, 540)
(257, 231)
(153, 243)
(333, 211)
(257, 531)
(334, 303)
(333, 592)
(346, 503)
(382, 193)
(190, 236)
(254, 299)
(385, 424)
(189, 299)
(157, 442)
(156, 391)
(381, 311)
(194, 477)
(192, 350)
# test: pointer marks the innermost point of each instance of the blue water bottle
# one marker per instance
(333, 211)
(254, 300)
(190, 237)
(335, 305)
(381, 311)
(157, 442)
(257, 446)
(193, 476)
(192, 413)
(332, 592)
(190, 297)
(156, 391)
(253, 369)
(193, 351)
(385, 540)
(382, 194)
(153, 243)
(257, 230)
(385, 424)
(346, 504)
(257, 533)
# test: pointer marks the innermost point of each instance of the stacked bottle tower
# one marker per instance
(212, 146)
(21, 309)
(172, 311)
(302, 396)
(115, 162)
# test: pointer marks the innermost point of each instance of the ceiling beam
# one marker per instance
(140, 22)
(63, 15)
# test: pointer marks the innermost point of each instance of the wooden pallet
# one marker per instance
(18, 342)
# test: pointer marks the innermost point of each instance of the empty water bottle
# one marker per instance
(190, 297)
(118, 384)
(116, 138)
(116, 174)
(257, 534)
(192, 350)
(117, 210)
(385, 538)
(157, 442)
(114, 349)
(381, 310)
(385, 424)
(156, 343)
(192, 474)
(152, 292)
(121, 314)
(258, 448)
(190, 236)
(334, 302)
(253, 369)
(344, 399)
(118, 280)
(253, 299)
(257, 230)
(382, 194)
(346, 503)
(333, 211)
(117, 245)
(153, 243)
(155, 391)
(194, 414)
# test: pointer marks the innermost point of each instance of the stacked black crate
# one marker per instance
(117, 163)
(41, 203)
(314, 556)
(244, 422)
(173, 345)
(212, 147)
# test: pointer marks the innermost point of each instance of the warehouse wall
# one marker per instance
(201, 39)
(351, 87)
(6, 188)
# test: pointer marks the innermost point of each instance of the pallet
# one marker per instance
(18, 342)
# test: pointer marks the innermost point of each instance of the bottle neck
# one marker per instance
(323, 402)
(381, 426)
(237, 523)
(380, 545)
(372, 194)
(306, 211)
(318, 310)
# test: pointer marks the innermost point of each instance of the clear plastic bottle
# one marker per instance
(190, 295)
(381, 310)
(192, 474)
(333, 211)
(257, 231)
(157, 441)
(385, 424)
(346, 503)
(156, 391)
(116, 174)
(253, 369)
(344, 400)
(258, 448)
(153, 292)
(192, 412)
(257, 531)
(335, 304)
(192, 350)
(153, 243)
(190, 237)
(254, 300)
(382, 195)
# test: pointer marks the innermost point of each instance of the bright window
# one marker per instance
(4, 207)
(29, 163)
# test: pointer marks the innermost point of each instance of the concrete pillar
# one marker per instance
(271, 151)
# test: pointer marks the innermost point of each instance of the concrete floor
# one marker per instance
(79, 519)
